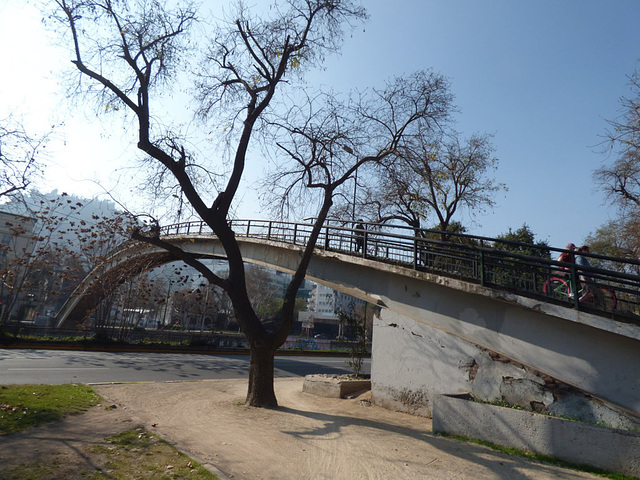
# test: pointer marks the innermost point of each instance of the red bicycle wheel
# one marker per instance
(556, 288)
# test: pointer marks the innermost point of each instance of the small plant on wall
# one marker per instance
(354, 326)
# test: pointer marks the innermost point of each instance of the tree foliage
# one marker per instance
(617, 238)
(247, 90)
(524, 242)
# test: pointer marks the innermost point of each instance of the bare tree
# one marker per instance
(19, 153)
(130, 49)
(621, 180)
(433, 178)
(67, 239)
(328, 139)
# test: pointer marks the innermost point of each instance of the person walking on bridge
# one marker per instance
(585, 279)
(359, 235)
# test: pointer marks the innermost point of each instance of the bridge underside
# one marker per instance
(597, 355)
(100, 283)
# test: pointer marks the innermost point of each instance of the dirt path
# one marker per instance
(309, 437)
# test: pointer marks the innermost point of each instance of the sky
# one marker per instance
(543, 77)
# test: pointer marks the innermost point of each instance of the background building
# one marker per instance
(321, 317)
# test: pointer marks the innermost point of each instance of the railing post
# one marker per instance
(248, 226)
(415, 253)
(295, 233)
(574, 287)
(364, 243)
(481, 268)
(269, 231)
(326, 238)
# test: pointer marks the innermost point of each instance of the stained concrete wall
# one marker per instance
(597, 355)
(413, 363)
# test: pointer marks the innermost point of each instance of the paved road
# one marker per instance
(56, 367)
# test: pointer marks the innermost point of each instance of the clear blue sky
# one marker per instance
(542, 76)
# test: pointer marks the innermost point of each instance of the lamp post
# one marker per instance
(355, 187)
(349, 150)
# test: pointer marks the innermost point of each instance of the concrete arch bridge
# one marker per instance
(459, 313)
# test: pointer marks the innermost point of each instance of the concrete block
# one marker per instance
(334, 386)
(575, 442)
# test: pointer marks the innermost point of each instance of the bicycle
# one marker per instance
(561, 288)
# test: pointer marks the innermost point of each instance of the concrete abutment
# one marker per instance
(413, 363)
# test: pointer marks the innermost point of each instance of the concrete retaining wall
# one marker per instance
(578, 443)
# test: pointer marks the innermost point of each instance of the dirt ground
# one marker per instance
(308, 437)
(66, 442)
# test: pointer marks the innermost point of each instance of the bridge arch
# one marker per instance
(597, 354)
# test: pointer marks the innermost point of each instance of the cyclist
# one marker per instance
(566, 257)
(581, 261)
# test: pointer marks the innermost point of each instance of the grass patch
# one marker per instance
(132, 454)
(541, 458)
(33, 471)
(143, 455)
(26, 406)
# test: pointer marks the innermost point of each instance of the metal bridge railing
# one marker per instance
(528, 270)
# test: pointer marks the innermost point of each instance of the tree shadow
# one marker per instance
(502, 465)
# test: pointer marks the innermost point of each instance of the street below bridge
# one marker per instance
(21, 366)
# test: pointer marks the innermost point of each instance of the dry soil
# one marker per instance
(308, 437)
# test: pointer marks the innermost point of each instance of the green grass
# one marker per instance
(26, 406)
(33, 471)
(142, 455)
(133, 454)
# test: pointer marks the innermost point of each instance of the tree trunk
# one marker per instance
(261, 392)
